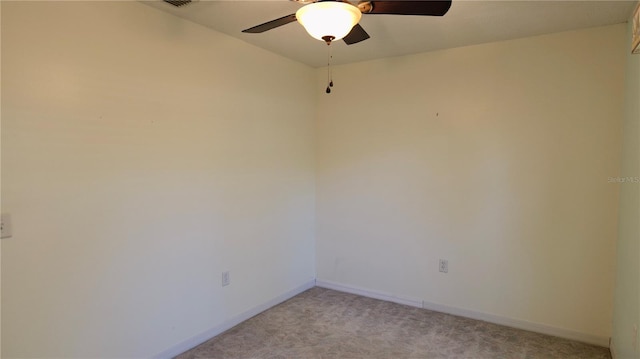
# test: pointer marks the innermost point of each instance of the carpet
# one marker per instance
(325, 324)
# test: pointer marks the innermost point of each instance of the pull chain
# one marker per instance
(329, 70)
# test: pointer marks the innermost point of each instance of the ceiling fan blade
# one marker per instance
(356, 35)
(429, 8)
(271, 24)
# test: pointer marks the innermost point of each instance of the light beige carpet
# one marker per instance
(322, 323)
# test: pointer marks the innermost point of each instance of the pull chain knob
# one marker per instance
(329, 70)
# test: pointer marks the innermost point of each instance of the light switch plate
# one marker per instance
(5, 226)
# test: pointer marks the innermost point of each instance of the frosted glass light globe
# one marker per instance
(328, 18)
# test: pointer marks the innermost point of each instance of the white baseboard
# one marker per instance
(612, 349)
(468, 313)
(369, 293)
(230, 323)
(520, 324)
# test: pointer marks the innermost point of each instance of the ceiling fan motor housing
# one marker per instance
(365, 7)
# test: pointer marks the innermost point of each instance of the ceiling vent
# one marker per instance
(178, 3)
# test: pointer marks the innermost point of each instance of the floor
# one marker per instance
(323, 323)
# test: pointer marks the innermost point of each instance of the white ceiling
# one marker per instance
(468, 22)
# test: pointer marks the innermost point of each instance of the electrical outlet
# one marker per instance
(443, 266)
(5, 226)
(226, 279)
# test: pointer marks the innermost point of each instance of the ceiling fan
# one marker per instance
(331, 20)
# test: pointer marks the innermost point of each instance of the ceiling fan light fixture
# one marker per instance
(328, 19)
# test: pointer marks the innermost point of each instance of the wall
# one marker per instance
(0, 180)
(626, 303)
(142, 155)
(495, 157)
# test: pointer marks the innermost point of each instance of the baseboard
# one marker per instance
(520, 324)
(369, 293)
(232, 322)
(612, 349)
(468, 313)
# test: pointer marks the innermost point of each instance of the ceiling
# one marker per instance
(468, 22)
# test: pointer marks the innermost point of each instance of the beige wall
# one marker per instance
(0, 179)
(495, 157)
(142, 155)
(627, 301)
